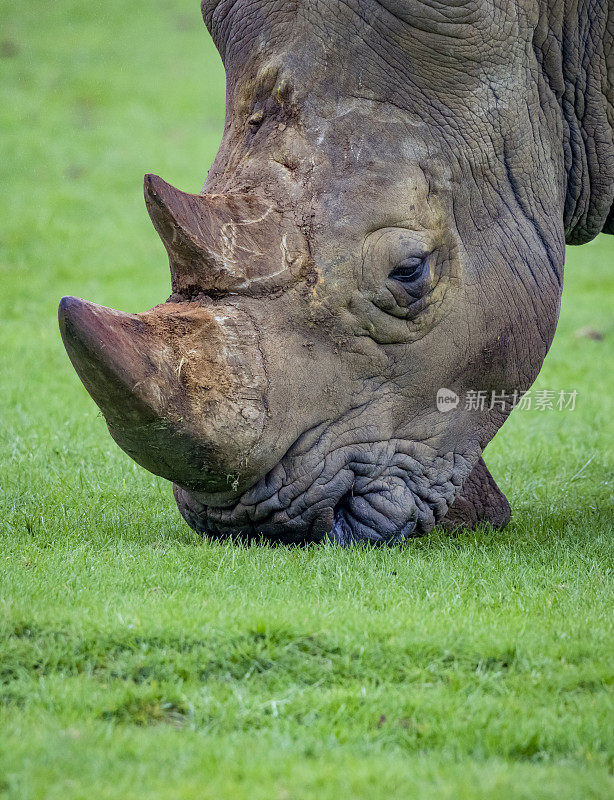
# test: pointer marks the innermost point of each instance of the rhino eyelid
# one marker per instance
(410, 269)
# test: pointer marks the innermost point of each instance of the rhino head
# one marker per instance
(386, 217)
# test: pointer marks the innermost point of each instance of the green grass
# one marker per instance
(137, 661)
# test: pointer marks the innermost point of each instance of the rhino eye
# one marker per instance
(409, 270)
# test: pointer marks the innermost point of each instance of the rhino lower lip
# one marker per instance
(348, 529)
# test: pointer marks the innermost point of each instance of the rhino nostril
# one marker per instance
(256, 118)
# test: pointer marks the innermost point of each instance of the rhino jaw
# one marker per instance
(181, 388)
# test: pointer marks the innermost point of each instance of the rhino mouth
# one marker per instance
(383, 492)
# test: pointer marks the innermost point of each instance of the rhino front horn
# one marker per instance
(106, 348)
(180, 387)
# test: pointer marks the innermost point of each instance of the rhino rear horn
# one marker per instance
(183, 221)
(214, 241)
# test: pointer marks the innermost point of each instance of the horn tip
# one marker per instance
(153, 186)
(68, 309)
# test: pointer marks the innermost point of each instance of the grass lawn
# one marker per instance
(138, 661)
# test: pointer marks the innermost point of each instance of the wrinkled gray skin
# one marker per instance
(288, 385)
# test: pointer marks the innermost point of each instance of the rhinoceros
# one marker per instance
(385, 221)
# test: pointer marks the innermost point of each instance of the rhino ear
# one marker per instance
(573, 43)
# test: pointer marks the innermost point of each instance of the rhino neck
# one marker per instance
(574, 48)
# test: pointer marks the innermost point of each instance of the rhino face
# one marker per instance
(386, 216)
